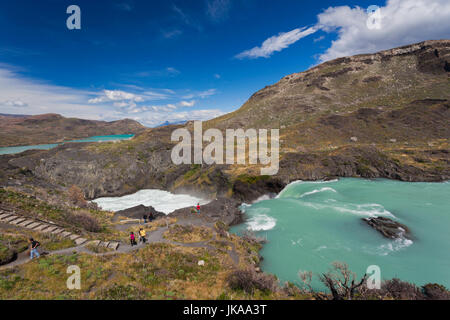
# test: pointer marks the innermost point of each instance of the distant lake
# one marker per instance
(19, 149)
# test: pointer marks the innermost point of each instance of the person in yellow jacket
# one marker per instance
(142, 235)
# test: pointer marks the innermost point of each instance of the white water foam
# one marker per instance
(261, 222)
(301, 181)
(162, 201)
(317, 191)
(393, 246)
(262, 198)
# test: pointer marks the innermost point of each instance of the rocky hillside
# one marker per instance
(388, 79)
(378, 115)
(51, 128)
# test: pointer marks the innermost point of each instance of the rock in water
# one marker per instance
(389, 228)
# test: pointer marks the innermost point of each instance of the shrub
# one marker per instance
(122, 292)
(76, 196)
(435, 291)
(249, 281)
(401, 290)
(85, 221)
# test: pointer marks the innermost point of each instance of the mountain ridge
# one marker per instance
(53, 128)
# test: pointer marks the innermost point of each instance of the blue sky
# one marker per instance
(157, 61)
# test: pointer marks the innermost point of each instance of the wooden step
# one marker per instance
(17, 221)
(10, 218)
(80, 241)
(41, 227)
(25, 223)
(33, 225)
(114, 245)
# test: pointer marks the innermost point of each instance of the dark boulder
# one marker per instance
(388, 228)
(221, 209)
(138, 212)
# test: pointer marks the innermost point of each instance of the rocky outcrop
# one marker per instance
(221, 209)
(389, 228)
(248, 190)
(138, 212)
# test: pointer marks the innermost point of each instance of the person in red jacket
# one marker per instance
(198, 208)
(132, 239)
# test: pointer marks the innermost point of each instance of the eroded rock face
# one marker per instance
(389, 228)
(249, 192)
(221, 209)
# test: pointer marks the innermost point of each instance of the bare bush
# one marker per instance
(249, 281)
(341, 281)
(85, 221)
(76, 196)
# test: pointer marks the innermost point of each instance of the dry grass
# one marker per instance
(188, 234)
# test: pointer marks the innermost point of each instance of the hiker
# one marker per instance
(132, 239)
(145, 218)
(142, 235)
(33, 248)
(198, 208)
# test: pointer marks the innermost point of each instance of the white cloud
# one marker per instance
(187, 103)
(116, 95)
(14, 103)
(402, 22)
(32, 96)
(207, 93)
(160, 116)
(217, 76)
(276, 43)
(37, 97)
(200, 94)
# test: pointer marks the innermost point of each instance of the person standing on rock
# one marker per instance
(198, 208)
(33, 248)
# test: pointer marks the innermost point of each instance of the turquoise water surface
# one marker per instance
(13, 150)
(311, 224)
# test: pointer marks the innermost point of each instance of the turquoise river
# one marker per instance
(311, 224)
(19, 149)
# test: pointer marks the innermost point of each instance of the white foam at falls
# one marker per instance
(162, 201)
(261, 222)
(262, 198)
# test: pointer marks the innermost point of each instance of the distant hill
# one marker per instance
(18, 130)
(13, 115)
(167, 123)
